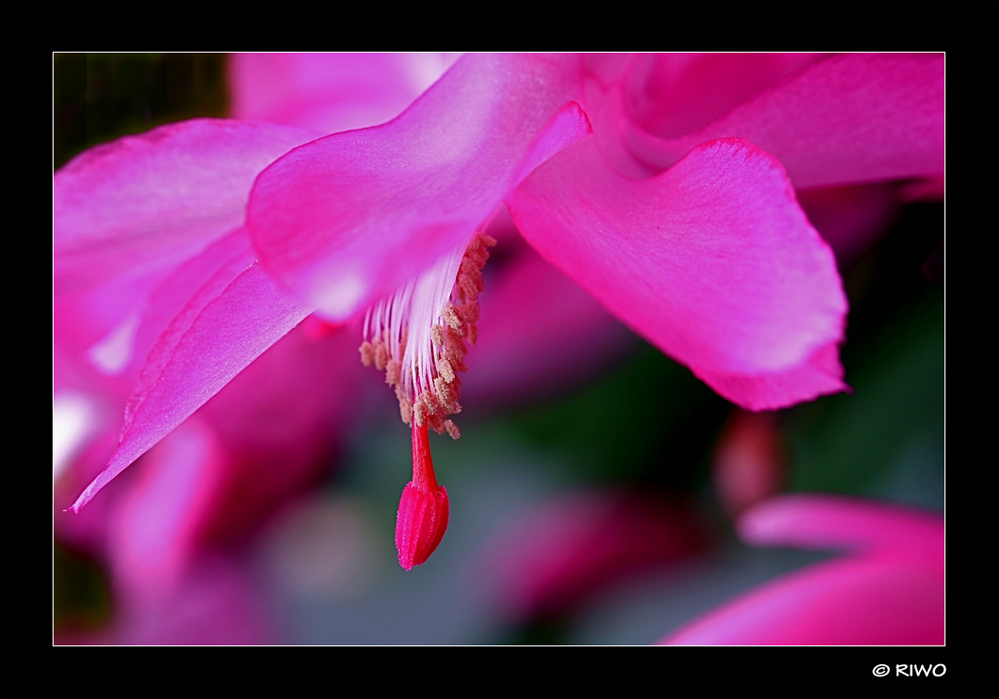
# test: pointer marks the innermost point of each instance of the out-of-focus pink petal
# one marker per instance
(216, 603)
(712, 261)
(281, 420)
(847, 119)
(569, 548)
(330, 92)
(870, 600)
(670, 95)
(824, 521)
(354, 216)
(86, 324)
(232, 330)
(891, 592)
(146, 202)
(152, 535)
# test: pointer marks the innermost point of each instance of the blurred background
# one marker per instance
(592, 493)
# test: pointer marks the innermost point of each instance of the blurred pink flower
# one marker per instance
(563, 551)
(669, 199)
(888, 590)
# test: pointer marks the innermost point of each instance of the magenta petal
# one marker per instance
(673, 94)
(824, 521)
(331, 92)
(712, 261)
(175, 302)
(148, 201)
(250, 315)
(355, 215)
(892, 593)
(848, 119)
(820, 374)
(870, 600)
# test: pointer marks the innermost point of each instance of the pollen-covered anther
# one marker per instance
(381, 356)
(445, 369)
(421, 335)
(393, 372)
(450, 316)
(367, 354)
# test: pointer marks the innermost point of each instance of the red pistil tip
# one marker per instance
(423, 508)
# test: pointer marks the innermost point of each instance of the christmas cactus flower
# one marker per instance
(664, 186)
(888, 590)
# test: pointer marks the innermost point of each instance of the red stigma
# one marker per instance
(423, 508)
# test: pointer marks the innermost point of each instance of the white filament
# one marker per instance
(415, 308)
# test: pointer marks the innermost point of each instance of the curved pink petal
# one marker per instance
(712, 261)
(865, 601)
(145, 202)
(825, 521)
(354, 216)
(330, 92)
(847, 119)
(228, 333)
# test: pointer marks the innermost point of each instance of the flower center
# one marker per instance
(418, 336)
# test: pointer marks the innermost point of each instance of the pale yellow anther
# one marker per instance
(450, 317)
(428, 394)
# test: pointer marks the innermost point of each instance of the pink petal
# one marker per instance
(869, 600)
(330, 92)
(824, 521)
(152, 535)
(230, 331)
(215, 604)
(670, 95)
(354, 216)
(173, 304)
(146, 202)
(279, 421)
(848, 119)
(712, 261)
(819, 374)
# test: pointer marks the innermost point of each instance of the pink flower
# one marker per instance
(563, 551)
(663, 186)
(888, 590)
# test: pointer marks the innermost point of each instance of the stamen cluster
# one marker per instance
(422, 366)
